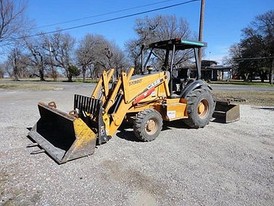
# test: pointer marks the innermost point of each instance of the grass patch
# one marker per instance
(8, 86)
(88, 80)
(34, 86)
(262, 98)
(237, 82)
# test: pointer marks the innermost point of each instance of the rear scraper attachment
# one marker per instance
(226, 112)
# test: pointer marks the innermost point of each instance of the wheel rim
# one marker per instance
(203, 108)
(151, 127)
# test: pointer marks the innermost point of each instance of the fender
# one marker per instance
(194, 85)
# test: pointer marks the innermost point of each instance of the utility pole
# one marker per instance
(201, 29)
(271, 72)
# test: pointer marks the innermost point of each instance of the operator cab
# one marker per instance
(170, 53)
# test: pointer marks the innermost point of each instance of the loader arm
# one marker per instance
(101, 90)
(117, 89)
(131, 95)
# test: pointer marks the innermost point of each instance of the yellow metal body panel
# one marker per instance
(137, 86)
(83, 133)
(175, 109)
(85, 141)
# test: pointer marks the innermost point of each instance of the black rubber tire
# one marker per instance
(197, 99)
(145, 119)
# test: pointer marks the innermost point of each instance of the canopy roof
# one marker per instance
(180, 44)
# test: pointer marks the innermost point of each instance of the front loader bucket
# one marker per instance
(225, 112)
(64, 137)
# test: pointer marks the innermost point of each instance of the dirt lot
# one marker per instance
(221, 164)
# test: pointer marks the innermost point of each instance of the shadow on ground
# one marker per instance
(126, 129)
(265, 108)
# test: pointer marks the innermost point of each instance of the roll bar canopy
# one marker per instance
(179, 43)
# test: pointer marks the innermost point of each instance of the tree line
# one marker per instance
(54, 54)
(254, 54)
(51, 55)
(60, 54)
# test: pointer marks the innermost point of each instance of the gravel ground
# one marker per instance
(221, 164)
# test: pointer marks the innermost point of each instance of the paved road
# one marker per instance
(232, 87)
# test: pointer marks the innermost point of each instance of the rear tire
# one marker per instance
(148, 125)
(200, 107)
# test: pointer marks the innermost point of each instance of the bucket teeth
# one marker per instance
(35, 144)
(37, 151)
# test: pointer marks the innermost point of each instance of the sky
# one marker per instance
(223, 22)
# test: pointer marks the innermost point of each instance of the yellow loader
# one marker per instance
(146, 100)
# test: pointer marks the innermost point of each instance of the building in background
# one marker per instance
(210, 71)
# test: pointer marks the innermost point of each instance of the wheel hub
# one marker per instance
(203, 108)
(151, 127)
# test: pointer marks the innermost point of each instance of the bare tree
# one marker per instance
(88, 52)
(63, 51)
(154, 29)
(2, 70)
(235, 52)
(16, 64)
(11, 19)
(133, 48)
(118, 59)
(46, 42)
(36, 55)
(97, 53)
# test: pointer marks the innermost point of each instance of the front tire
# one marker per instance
(148, 125)
(200, 107)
